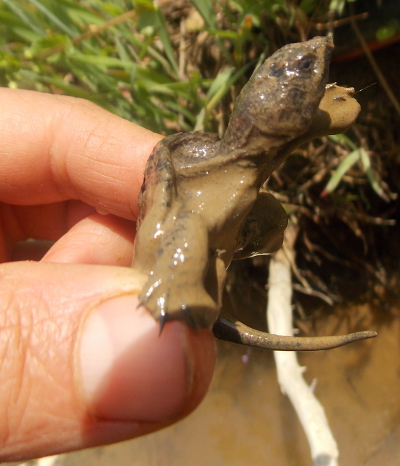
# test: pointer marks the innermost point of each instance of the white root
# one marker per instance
(323, 446)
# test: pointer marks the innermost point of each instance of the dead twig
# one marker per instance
(338, 22)
(92, 31)
(375, 66)
(315, 293)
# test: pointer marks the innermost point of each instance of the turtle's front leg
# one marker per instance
(176, 286)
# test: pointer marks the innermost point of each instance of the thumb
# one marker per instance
(83, 366)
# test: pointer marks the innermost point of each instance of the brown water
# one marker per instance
(245, 420)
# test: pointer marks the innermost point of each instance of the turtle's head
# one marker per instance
(282, 96)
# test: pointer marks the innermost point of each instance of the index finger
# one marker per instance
(55, 148)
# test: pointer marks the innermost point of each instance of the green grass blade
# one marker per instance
(343, 140)
(219, 87)
(205, 8)
(163, 33)
(152, 22)
(341, 170)
(24, 17)
(53, 18)
(373, 180)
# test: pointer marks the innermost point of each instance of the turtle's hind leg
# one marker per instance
(175, 288)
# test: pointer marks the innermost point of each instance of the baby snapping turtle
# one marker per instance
(201, 204)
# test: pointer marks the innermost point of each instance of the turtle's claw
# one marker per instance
(163, 319)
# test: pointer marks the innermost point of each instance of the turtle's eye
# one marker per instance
(306, 63)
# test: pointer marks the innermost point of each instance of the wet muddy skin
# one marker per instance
(202, 205)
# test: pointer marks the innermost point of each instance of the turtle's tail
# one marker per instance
(237, 332)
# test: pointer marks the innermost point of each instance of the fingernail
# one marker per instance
(128, 370)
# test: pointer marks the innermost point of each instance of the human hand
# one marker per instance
(80, 364)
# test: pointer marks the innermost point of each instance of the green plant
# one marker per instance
(125, 55)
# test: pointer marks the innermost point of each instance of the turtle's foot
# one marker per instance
(190, 303)
(236, 332)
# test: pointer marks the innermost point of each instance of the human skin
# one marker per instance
(80, 365)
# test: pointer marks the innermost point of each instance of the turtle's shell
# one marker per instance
(193, 154)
